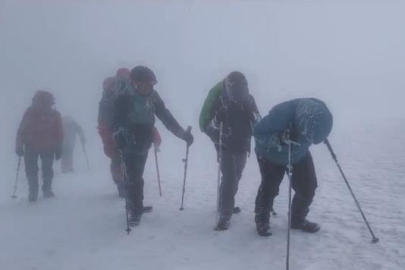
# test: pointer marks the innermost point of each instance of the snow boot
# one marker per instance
(236, 210)
(135, 219)
(223, 225)
(32, 196)
(305, 226)
(262, 221)
(48, 194)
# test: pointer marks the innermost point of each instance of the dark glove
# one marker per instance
(188, 137)
(121, 137)
(221, 115)
(19, 150)
(58, 153)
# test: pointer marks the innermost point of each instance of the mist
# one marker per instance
(351, 54)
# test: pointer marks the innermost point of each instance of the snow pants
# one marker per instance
(232, 166)
(116, 170)
(304, 183)
(135, 162)
(31, 169)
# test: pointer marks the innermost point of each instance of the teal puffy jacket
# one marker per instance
(307, 120)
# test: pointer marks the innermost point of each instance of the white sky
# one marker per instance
(350, 53)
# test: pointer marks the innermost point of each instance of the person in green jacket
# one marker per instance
(230, 106)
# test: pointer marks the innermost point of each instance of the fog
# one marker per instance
(351, 54)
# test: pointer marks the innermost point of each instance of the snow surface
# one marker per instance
(84, 226)
(350, 54)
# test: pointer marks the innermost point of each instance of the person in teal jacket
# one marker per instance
(301, 122)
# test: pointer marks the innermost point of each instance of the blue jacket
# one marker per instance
(306, 120)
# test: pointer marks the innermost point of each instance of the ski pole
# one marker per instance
(290, 170)
(124, 169)
(221, 131)
(85, 155)
(14, 196)
(185, 173)
(122, 139)
(156, 148)
(375, 239)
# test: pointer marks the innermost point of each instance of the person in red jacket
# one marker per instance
(105, 115)
(71, 129)
(40, 135)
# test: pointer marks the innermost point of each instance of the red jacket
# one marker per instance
(40, 131)
(106, 134)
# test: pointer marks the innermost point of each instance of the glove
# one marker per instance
(221, 115)
(288, 136)
(121, 137)
(188, 137)
(58, 153)
(19, 150)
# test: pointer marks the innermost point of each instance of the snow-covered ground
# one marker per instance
(348, 53)
(84, 226)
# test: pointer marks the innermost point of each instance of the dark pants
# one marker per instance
(135, 164)
(304, 183)
(31, 170)
(116, 170)
(67, 160)
(232, 166)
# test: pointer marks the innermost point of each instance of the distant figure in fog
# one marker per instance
(40, 135)
(71, 128)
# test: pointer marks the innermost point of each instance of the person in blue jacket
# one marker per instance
(301, 123)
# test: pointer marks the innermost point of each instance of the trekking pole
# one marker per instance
(375, 239)
(85, 155)
(290, 170)
(124, 169)
(221, 131)
(14, 196)
(156, 148)
(185, 173)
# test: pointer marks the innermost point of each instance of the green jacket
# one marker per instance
(206, 114)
